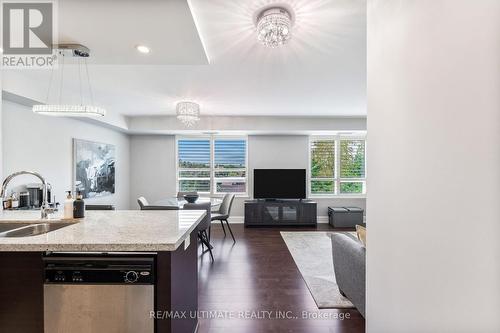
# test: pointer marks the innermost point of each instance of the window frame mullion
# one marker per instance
(212, 166)
(336, 171)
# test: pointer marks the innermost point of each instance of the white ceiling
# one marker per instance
(112, 30)
(321, 72)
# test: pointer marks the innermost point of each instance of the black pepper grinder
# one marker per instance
(78, 206)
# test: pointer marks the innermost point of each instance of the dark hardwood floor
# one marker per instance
(258, 274)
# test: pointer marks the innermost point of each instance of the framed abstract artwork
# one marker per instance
(94, 168)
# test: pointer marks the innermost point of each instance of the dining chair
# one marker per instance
(204, 225)
(142, 202)
(224, 212)
(144, 205)
(180, 195)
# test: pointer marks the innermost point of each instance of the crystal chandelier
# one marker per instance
(274, 27)
(188, 112)
(71, 110)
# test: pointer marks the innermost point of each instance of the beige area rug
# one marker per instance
(312, 253)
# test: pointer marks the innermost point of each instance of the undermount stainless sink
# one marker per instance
(33, 229)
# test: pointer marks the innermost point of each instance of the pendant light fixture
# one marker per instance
(274, 26)
(188, 112)
(81, 109)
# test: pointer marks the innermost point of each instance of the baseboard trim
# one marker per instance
(241, 219)
(322, 219)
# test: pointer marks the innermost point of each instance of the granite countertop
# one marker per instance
(106, 231)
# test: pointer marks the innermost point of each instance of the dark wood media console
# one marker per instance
(262, 213)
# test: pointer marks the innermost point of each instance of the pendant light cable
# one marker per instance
(80, 79)
(88, 81)
(51, 78)
(62, 78)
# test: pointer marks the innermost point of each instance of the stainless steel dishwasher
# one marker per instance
(98, 293)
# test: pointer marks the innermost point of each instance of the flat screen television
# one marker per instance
(279, 183)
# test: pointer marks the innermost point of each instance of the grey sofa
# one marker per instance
(349, 262)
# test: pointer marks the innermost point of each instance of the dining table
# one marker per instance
(180, 202)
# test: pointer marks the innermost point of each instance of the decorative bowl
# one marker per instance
(191, 198)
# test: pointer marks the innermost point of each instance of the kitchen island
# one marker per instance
(169, 236)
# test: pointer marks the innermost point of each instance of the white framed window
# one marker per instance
(337, 166)
(212, 164)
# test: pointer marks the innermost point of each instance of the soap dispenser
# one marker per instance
(68, 206)
(79, 206)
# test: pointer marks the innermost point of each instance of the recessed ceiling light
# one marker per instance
(143, 49)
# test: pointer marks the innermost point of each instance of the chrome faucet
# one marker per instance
(45, 209)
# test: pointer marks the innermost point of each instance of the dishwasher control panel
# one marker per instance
(106, 269)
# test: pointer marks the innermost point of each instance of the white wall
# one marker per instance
(152, 168)
(1, 135)
(245, 124)
(433, 260)
(45, 144)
